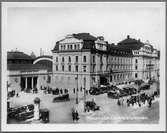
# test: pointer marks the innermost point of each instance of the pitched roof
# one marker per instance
(25, 67)
(84, 36)
(56, 46)
(119, 51)
(18, 55)
(130, 43)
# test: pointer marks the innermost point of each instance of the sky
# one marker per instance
(33, 26)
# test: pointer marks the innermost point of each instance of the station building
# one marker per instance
(25, 72)
(83, 61)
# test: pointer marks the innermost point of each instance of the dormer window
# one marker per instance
(61, 47)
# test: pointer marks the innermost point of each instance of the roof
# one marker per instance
(88, 44)
(56, 46)
(24, 67)
(88, 41)
(44, 56)
(130, 43)
(85, 36)
(18, 55)
(120, 51)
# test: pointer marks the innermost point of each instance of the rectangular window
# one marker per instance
(62, 59)
(76, 68)
(76, 58)
(56, 59)
(61, 47)
(136, 67)
(84, 58)
(69, 68)
(69, 59)
(56, 67)
(94, 68)
(49, 79)
(135, 75)
(84, 68)
(136, 60)
(62, 67)
(70, 46)
(93, 59)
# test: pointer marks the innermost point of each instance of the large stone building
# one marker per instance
(82, 60)
(26, 73)
(145, 58)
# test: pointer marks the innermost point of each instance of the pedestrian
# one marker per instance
(150, 102)
(73, 114)
(74, 90)
(76, 116)
(17, 95)
(127, 101)
(118, 102)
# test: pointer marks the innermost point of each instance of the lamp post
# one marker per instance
(84, 94)
(76, 89)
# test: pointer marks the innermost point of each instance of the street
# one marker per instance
(110, 112)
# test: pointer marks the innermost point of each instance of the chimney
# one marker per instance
(128, 36)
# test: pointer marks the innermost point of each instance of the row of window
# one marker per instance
(114, 59)
(70, 46)
(119, 77)
(69, 68)
(101, 59)
(94, 67)
(69, 59)
(68, 78)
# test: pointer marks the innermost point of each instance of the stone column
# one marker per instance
(26, 82)
(32, 83)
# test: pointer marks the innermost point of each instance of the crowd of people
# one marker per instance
(138, 99)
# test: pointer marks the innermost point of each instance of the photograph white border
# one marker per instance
(78, 127)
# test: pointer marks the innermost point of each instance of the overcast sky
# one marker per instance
(34, 26)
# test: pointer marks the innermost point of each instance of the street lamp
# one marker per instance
(76, 78)
(84, 94)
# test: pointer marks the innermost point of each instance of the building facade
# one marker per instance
(84, 61)
(145, 59)
(26, 73)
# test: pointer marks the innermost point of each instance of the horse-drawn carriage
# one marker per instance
(91, 105)
(62, 98)
(113, 94)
